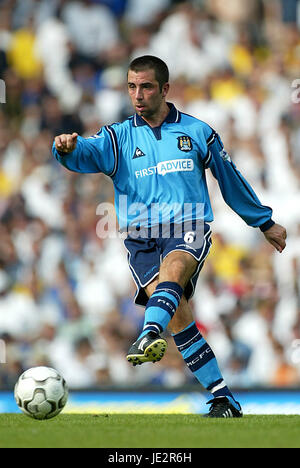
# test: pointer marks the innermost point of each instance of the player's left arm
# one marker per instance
(276, 235)
(239, 195)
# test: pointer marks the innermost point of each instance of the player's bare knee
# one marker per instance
(178, 267)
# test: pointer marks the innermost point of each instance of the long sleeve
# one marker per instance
(236, 191)
(98, 153)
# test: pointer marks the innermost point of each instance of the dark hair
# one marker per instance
(147, 62)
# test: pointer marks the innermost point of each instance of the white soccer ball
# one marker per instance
(41, 393)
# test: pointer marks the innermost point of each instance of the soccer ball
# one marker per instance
(41, 393)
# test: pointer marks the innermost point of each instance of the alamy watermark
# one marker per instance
(296, 93)
(2, 352)
(159, 220)
(2, 92)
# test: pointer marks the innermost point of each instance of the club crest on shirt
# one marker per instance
(185, 143)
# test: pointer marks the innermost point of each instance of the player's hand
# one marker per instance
(66, 143)
(276, 235)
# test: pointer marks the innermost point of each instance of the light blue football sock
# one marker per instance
(161, 307)
(201, 360)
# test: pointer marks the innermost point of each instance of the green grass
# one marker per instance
(154, 431)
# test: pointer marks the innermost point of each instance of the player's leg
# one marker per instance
(199, 356)
(177, 276)
(166, 291)
(202, 362)
(144, 262)
(164, 295)
(182, 259)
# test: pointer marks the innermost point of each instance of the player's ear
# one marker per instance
(165, 89)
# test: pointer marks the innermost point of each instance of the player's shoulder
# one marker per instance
(123, 124)
(121, 127)
(196, 125)
(115, 129)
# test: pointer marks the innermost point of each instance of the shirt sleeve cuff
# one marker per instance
(267, 225)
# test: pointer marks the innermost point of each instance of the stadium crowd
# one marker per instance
(66, 294)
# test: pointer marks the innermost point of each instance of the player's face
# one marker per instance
(145, 93)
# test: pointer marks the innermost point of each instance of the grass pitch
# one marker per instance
(149, 431)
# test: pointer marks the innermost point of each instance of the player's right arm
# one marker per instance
(98, 153)
(66, 143)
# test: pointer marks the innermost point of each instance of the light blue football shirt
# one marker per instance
(159, 173)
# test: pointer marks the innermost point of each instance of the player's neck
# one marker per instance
(157, 119)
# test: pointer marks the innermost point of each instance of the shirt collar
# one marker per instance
(172, 117)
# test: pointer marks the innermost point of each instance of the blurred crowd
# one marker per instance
(66, 295)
